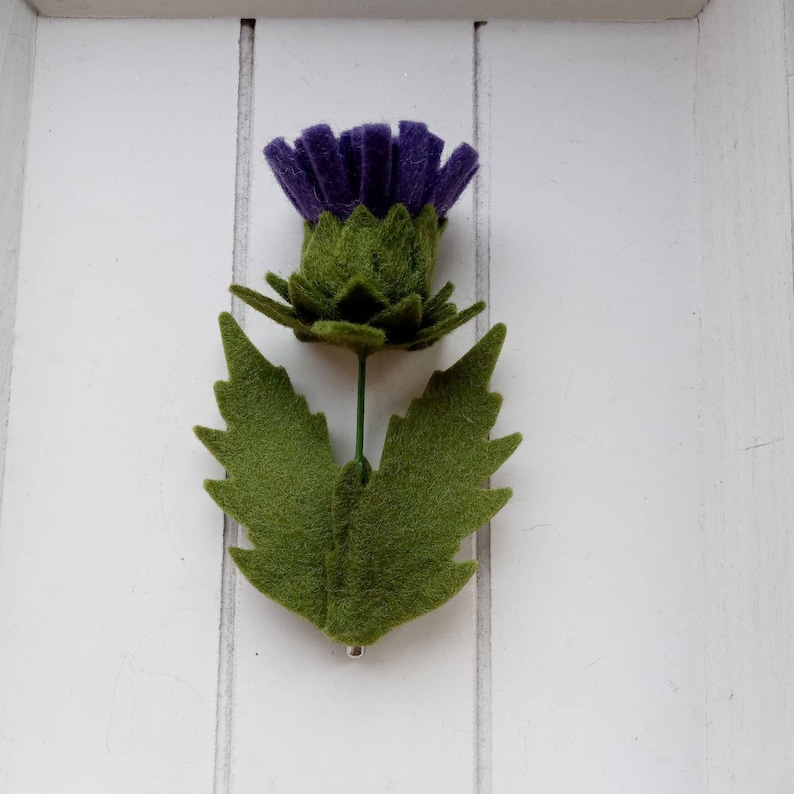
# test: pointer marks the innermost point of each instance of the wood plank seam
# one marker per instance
(702, 452)
(12, 49)
(482, 728)
(231, 529)
(482, 544)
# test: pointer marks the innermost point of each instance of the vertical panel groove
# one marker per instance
(702, 445)
(788, 37)
(702, 449)
(231, 530)
(17, 56)
(745, 177)
(482, 728)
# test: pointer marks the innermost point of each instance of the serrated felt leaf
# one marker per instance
(355, 554)
(281, 477)
(396, 537)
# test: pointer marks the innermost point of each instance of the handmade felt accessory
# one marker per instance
(355, 551)
(374, 210)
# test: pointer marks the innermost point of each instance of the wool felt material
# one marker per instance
(366, 283)
(356, 559)
(280, 477)
(367, 166)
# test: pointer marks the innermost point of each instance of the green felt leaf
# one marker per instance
(359, 300)
(307, 297)
(279, 285)
(431, 334)
(281, 477)
(285, 315)
(359, 337)
(357, 556)
(439, 300)
(397, 263)
(404, 317)
(396, 537)
(440, 315)
(428, 232)
(319, 262)
(358, 241)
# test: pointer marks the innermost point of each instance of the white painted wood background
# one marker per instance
(17, 41)
(631, 629)
(379, 9)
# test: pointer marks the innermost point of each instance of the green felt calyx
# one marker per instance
(366, 284)
(356, 559)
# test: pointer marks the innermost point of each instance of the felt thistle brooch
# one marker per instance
(354, 550)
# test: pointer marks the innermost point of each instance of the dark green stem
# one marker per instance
(362, 383)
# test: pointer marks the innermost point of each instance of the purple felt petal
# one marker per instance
(376, 168)
(452, 179)
(278, 155)
(329, 169)
(395, 153)
(434, 148)
(292, 177)
(367, 165)
(350, 146)
(412, 165)
(315, 204)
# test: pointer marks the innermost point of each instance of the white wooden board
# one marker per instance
(378, 9)
(597, 562)
(635, 208)
(306, 717)
(17, 41)
(748, 419)
(110, 552)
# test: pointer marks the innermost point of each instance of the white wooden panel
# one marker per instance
(597, 562)
(389, 9)
(748, 421)
(109, 550)
(17, 39)
(307, 717)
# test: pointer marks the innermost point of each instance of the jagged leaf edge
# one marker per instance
(497, 451)
(213, 440)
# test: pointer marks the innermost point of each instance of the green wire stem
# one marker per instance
(362, 385)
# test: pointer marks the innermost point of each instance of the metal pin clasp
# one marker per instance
(355, 651)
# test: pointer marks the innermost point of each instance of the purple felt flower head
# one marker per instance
(368, 166)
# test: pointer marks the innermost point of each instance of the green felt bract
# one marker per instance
(366, 283)
(356, 560)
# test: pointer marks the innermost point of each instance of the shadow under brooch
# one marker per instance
(354, 550)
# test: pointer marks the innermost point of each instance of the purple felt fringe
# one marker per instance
(366, 165)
